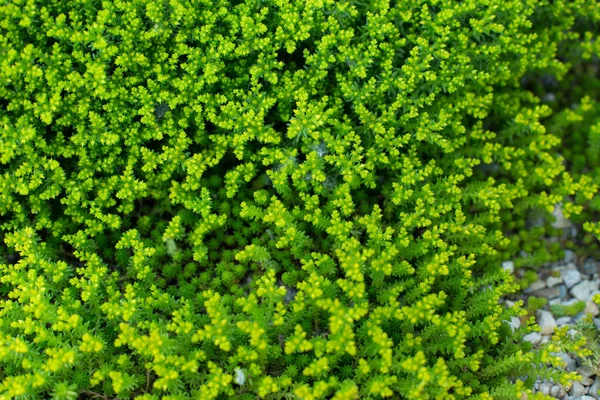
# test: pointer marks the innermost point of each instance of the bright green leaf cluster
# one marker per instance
(305, 199)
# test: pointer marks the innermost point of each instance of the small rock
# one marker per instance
(240, 377)
(554, 301)
(533, 337)
(563, 291)
(583, 290)
(570, 363)
(514, 323)
(509, 266)
(597, 323)
(569, 256)
(553, 281)
(160, 110)
(582, 398)
(537, 285)
(545, 388)
(572, 332)
(563, 321)
(546, 322)
(509, 303)
(590, 266)
(561, 222)
(557, 391)
(545, 339)
(571, 277)
(586, 371)
(577, 390)
(595, 387)
(548, 293)
(587, 381)
(591, 308)
(571, 265)
(570, 302)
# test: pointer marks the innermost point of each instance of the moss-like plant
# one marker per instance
(278, 199)
(571, 310)
(535, 303)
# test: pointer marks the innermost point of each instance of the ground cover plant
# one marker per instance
(275, 199)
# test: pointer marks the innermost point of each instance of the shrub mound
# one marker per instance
(274, 199)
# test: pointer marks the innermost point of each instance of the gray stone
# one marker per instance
(569, 256)
(597, 323)
(570, 302)
(595, 387)
(558, 391)
(587, 381)
(552, 281)
(583, 290)
(537, 285)
(514, 323)
(240, 377)
(582, 398)
(577, 390)
(586, 371)
(570, 363)
(554, 301)
(545, 339)
(509, 266)
(548, 293)
(546, 322)
(545, 388)
(533, 337)
(571, 277)
(560, 221)
(571, 265)
(563, 291)
(290, 294)
(590, 266)
(591, 308)
(563, 321)
(572, 332)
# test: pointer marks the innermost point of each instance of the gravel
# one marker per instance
(583, 290)
(566, 282)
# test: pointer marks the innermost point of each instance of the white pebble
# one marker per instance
(534, 338)
(583, 290)
(571, 277)
(509, 266)
(546, 322)
(552, 281)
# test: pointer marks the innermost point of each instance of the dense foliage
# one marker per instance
(275, 199)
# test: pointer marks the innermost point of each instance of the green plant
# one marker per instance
(315, 193)
(528, 278)
(587, 330)
(534, 304)
(571, 310)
